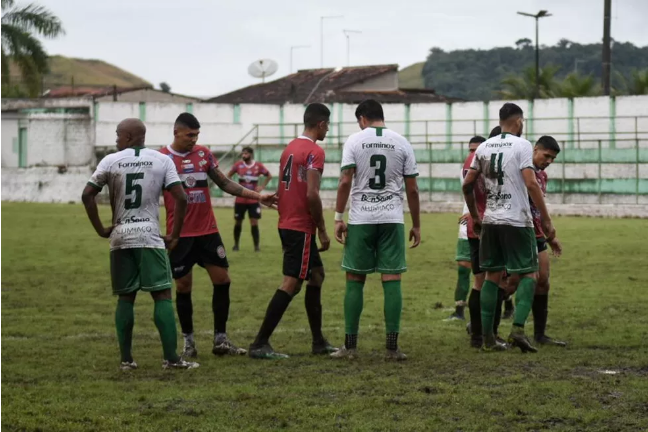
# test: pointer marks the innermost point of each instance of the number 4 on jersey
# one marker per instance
(499, 172)
(286, 175)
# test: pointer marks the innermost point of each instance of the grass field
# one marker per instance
(60, 355)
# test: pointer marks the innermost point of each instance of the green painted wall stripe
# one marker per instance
(281, 124)
(237, 113)
(340, 120)
(612, 122)
(189, 108)
(142, 111)
(95, 109)
(529, 122)
(448, 125)
(570, 122)
(486, 116)
(407, 121)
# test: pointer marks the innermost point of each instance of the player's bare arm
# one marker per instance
(313, 180)
(412, 191)
(266, 180)
(230, 174)
(468, 188)
(538, 199)
(180, 199)
(233, 188)
(344, 189)
(88, 198)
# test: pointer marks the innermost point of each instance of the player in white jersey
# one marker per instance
(507, 235)
(376, 162)
(135, 177)
(463, 247)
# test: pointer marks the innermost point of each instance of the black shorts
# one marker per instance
(542, 244)
(474, 255)
(201, 250)
(253, 211)
(300, 254)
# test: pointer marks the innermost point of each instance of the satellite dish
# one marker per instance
(263, 68)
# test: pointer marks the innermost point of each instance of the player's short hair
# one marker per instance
(477, 139)
(187, 120)
(248, 149)
(549, 143)
(509, 110)
(497, 130)
(371, 110)
(315, 113)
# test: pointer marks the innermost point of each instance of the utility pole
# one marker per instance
(322, 18)
(292, 48)
(606, 46)
(348, 43)
(541, 14)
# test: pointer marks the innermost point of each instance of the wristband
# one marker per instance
(339, 216)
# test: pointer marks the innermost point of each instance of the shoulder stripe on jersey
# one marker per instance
(411, 175)
(96, 186)
(170, 185)
(347, 167)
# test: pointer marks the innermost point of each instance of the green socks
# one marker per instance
(463, 284)
(124, 322)
(488, 300)
(353, 302)
(393, 305)
(165, 323)
(523, 301)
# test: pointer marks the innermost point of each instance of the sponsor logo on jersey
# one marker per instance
(498, 200)
(189, 168)
(202, 163)
(201, 153)
(499, 145)
(221, 252)
(132, 219)
(133, 230)
(376, 198)
(379, 207)
(190, 181)
(196, 197)
(139, 164)
(381, 146)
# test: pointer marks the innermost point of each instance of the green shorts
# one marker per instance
(505, 247)
(145, 269)
(463, 250)
(375, 248)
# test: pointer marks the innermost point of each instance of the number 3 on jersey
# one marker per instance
(286, 175)
(132, 188)
(497, 172)
(379, 163)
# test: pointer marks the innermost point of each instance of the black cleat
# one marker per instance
(323, 347)
(235, 248)
(520, 340)
(257, 249)
(265, 352)
(546, 340)
(476, 342)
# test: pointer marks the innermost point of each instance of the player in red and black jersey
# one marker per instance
(248, 171)
(200, 243)
(544, 153)
(300, 218)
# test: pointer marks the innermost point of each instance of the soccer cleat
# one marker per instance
(546, 340)
(265, 352)
(125, 366)
(323, 347)
(396, 355)
(189, 350)
(224, 346)
(344, 352)
(501, 341)
(455, 317)
(517, 338)
(235, 248)
(491, 344)
(257, 249)
(180, 364)
(476, 342)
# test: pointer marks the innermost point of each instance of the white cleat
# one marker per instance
(343, 352)
(180, 364)
(126, 366)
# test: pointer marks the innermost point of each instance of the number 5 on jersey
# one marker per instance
(133, 202)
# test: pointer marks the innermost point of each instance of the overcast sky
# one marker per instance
(203, 47)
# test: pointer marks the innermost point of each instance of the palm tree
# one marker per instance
(523, 86)
(20, 46)
(637, 84)
(575, 85)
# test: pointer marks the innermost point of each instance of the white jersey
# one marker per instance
(381, 158)
(463, 228)
(501, 160)
(135, 179)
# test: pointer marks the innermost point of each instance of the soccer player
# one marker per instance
(248, 172)
(375, 163)
(544, 153)
(200, 242)
(507, 236)
(463, 247)
(300, 218)
(135, 177)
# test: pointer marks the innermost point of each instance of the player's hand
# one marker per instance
(415, 237)
(170, 242)
(556, 247)
(548, 229)
(269, 200)
(340, 231)
(463, 219)
(477, 226)
(325, 241)
(106, 232)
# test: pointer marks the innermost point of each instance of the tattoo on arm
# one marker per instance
(230, 186)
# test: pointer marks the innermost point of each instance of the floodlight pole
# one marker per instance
(322, 18)
(348, 43)
(292, 48)
(541, 14)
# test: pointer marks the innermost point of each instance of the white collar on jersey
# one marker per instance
(248, 166)
(305, 137)
(175, 152)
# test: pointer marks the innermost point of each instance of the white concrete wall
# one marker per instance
(9, 140)
(44, 184)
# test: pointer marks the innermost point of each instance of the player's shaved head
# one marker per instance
(131, 132)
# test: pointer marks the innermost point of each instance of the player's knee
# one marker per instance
(542, 287)
(317, 276)
(183, 286)
(161, 295)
